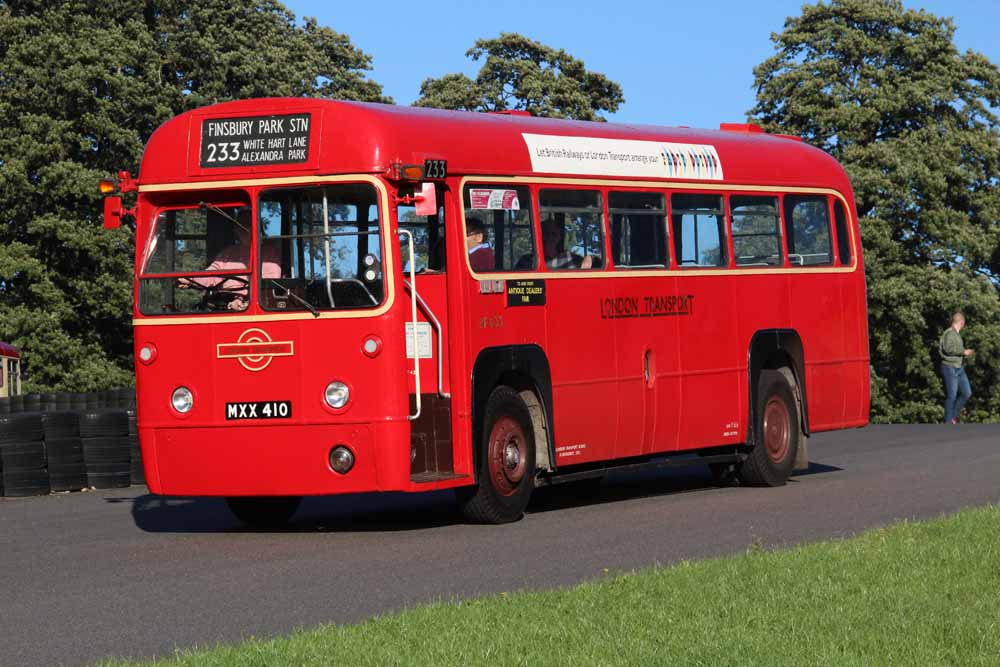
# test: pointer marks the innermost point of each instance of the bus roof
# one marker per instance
(9, 351)
(356, 137)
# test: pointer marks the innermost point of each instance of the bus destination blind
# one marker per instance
(251, 141)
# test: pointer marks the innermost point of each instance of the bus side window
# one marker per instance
(843, 234)
(638, 229)
(572, 229)
(807, 222)
(756, 230)
(699, 231)
(428, 237)
(505, 212)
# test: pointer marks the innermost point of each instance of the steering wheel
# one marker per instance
(215, 297)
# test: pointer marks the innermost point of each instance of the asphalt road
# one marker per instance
(91, 575)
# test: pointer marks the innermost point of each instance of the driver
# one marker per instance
(236, 257)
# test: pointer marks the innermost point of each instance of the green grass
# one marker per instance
(910, 594)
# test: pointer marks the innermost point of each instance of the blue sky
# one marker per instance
(678, 63)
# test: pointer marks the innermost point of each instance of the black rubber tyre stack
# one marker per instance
(32, 402)
(138, 472)
(64, 401)
(48, 403)
(91, 400)
(4, 406)
(78, 401)
(64, 450)
(106, 448)
(16, 404)
(126, 398)
(22, 456)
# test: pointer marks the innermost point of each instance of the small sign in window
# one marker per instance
(494, 199)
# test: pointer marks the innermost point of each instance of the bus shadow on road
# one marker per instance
(619, 487)
(394, 512)
(388, 512)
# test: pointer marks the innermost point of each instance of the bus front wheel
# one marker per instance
(776, 432)
(506, 461)
(264, 512)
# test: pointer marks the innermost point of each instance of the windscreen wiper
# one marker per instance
(308, 306)
(205, 205)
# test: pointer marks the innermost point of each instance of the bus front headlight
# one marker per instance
(337, 395)
(182, 400)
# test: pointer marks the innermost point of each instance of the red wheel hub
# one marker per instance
(777, 429)
(508, 453)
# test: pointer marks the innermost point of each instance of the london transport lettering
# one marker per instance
(258, 140)
(647, 306)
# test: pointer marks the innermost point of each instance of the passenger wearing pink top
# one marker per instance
(236, 258)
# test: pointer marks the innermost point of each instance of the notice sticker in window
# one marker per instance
(494, 200)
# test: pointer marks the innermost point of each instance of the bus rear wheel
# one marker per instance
(264, 512)
(506, 461)
(776, 432)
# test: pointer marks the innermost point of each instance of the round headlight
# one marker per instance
(337, 395)
(182, 399)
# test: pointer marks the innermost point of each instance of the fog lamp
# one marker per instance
(341, 459)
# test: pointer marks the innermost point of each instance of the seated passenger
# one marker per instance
(556, 255)
(480, 253)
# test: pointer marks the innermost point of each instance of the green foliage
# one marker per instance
(885, 91)
(521, 74)
(82, 87)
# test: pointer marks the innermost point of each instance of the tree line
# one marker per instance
(879, 86)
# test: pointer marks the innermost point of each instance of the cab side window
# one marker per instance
(428, 236)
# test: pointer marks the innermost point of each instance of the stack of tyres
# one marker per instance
(32, 402)
(17, 403)
(138, 474)
(4, 406)
(78, 401)
(91, 401)
(105, 448)
(64, 450)
(22, 455)
(48, 403)
(126, 398)
(64, 402)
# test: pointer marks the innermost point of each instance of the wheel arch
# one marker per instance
(773, 349)
(525, 368)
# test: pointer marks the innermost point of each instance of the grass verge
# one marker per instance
(909, 594)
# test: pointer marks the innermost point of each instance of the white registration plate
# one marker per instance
(259, 410)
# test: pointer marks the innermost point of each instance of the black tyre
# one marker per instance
(99, 423)
(506, 461)
(22, 456)
(264, 512)
(21, 427)
(19, 484)
(61, 425)
(776, 432)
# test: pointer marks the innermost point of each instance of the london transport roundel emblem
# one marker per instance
(254, 349)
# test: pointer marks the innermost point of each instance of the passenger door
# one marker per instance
(431, 435)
